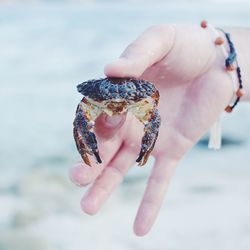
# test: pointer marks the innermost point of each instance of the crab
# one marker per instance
(115, 96)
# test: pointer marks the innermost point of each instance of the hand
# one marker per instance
(187, 69)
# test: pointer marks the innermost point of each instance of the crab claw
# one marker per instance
(151, 130)
(85, 138)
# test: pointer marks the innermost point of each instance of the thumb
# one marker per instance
(149, 48)
(107, 127)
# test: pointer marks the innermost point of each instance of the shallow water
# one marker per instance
(45, 51)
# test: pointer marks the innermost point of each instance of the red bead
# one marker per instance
(228, 109)
(240, 92)
(219, 41)
(204, 24)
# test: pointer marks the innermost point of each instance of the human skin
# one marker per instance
(188, 69)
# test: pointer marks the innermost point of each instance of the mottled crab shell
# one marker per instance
(116, 88)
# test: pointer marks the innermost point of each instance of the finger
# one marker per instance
(106, 127)
(107, 182)
(81, 174)
(147, 49)
(154, 195)
(109, 137)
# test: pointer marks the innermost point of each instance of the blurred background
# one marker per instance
(46, 48)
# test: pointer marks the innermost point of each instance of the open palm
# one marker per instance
(187, 69)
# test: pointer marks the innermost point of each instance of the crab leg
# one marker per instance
(148, 114)
(151, 131)
(85, 138)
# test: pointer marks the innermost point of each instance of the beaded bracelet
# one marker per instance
(232, 67)
(229, 64)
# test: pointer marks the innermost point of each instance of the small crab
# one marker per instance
(115, 96)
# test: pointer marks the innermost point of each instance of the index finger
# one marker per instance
(149, 48)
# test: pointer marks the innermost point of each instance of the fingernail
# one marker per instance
(113, 121)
